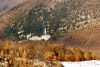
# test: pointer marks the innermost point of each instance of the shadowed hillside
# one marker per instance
(6, 4)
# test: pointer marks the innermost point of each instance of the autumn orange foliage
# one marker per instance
(49, 52)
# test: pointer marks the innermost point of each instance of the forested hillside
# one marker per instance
(51, 14)
(59, 16)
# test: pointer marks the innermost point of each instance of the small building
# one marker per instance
(36, 38)
(46, 37)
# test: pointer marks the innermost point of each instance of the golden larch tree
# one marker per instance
(17, 54)
(25, 62)
(24, 54)
(2, 54)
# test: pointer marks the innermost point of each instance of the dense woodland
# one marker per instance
(15, 53)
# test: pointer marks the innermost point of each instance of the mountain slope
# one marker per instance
(59, 16)
(16, 14)
(88, 38)
(6, 4)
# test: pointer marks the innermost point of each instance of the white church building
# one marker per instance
(45, 37)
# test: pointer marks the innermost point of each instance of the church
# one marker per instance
(45, 36)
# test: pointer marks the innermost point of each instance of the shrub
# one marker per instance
(69, 58)
(79, 57)
(88, 56)
(59, 64)
(49, 55)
